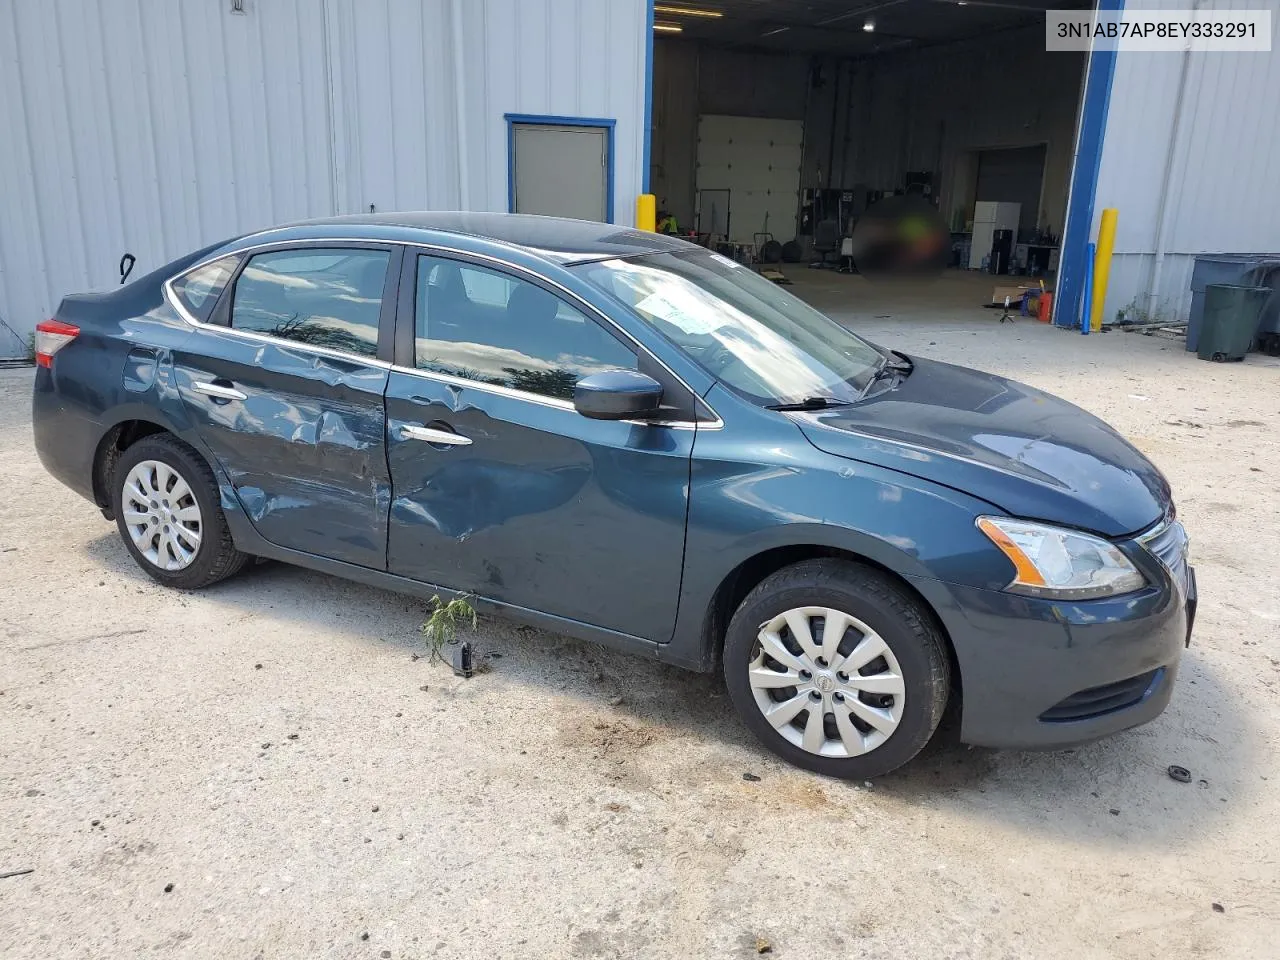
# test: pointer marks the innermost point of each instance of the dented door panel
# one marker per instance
(543, 509)
(304, 448)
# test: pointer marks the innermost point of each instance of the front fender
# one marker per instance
(757, 486)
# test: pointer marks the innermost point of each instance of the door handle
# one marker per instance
(221, 392)
(413, 431)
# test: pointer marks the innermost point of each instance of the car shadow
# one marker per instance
(1116, 791)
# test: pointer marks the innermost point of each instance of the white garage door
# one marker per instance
(758, 161)
(561, 171)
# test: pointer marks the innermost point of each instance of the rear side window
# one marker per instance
(325, 297)
(198, 290)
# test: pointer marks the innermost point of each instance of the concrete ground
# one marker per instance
(275, 750)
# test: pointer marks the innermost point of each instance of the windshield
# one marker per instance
(741, 328)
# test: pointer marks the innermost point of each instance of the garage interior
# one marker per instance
(789, 119)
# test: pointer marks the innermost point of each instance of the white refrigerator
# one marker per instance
(988, 217)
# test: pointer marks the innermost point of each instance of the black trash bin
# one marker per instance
(1226, 268)
(1230, 320)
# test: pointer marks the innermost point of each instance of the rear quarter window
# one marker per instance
(198, 290)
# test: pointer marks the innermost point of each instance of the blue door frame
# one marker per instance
(1095, 104)
(648, 98)
(551, 121)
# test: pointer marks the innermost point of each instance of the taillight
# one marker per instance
(52, 336)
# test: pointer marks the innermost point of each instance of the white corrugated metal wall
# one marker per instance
(158, 126)
(1220, 148)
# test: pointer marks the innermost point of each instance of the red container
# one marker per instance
(1045, 311)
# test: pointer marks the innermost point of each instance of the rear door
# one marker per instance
(500, 488)
(285, 382)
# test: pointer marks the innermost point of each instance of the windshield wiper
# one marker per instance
(811, 403)
(892, 361)
(887, 365)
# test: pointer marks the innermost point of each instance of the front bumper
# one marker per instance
(1042, 674)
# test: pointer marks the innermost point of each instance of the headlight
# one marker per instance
(1054, 562)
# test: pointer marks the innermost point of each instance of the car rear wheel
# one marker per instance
(166, 506)
(836, 668)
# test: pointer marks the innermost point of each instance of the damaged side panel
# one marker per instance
(537, 506)
(305, 447)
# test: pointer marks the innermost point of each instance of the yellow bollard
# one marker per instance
(647, 212)
(1102, 264)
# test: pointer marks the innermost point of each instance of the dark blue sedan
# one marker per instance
(626, 438)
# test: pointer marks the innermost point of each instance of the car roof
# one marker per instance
(557, 238)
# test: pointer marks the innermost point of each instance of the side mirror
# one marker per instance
(617, 395)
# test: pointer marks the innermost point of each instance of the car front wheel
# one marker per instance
(836, 668)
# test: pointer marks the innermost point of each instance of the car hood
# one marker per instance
(1028, 452)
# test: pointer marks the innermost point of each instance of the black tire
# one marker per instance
(906, 628)
(216, 557)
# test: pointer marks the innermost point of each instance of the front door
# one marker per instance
(500, 488)
(286, 389)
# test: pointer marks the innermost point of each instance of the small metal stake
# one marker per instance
(463, 665)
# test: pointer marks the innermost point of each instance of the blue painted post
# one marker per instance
(1068, 291)
(1087, 312)
(645, 159)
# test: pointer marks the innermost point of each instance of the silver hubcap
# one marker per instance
(827, 682)
(162, 515)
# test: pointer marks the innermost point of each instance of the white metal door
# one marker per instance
(758, 160)
(561, 171)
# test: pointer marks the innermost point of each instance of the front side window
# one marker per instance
(492, 327)
(741, 328)
(198, 289)
(324, 297)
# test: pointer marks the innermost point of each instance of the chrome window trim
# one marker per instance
(556, 402)
(176, 299)
(173, 301)
(674, 424)
(285, 344)
(176, 303)
(494, 388)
